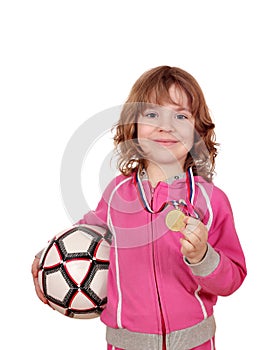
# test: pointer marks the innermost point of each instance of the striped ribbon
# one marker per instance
(143, 197)
(187, 204)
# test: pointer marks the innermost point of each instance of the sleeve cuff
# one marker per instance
(206, 266)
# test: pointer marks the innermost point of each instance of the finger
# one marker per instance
(35, 267)
(189, 220)
(186, 247)
(193, 225)
(192, 238)
(190, 253)
(34, 271)
(198, 228)
(39, 292)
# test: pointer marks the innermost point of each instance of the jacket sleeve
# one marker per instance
(97, 217)
(223, 268)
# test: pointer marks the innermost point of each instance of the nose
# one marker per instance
(166, 123)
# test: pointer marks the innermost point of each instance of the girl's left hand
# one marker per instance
(34, 271)
(194, 242)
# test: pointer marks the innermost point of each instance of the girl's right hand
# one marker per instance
(34, 271)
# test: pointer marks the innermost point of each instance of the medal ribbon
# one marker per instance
(190, 185)
(143, 197)
(188, 203)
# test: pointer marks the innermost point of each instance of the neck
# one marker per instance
(157, 173)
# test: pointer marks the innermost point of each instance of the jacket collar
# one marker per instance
(169, 181)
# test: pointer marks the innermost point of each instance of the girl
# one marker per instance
(175, 247)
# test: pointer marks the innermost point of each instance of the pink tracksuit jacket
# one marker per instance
(154, 294)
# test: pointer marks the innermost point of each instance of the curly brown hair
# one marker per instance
(153, 87)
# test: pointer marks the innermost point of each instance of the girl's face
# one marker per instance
(166, 133)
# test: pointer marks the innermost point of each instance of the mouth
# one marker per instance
(166, 142)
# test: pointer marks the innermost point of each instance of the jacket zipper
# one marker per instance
(155, 278)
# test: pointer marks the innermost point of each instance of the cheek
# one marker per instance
(143, 131)
(186, 133)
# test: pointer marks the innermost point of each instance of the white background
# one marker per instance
(64, 61)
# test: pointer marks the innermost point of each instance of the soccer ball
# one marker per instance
(73, 271)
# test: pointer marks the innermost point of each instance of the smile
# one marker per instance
(166, 143)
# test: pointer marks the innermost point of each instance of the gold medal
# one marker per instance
(175, 220)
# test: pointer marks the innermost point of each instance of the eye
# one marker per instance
(151, 115)
(181, 116)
